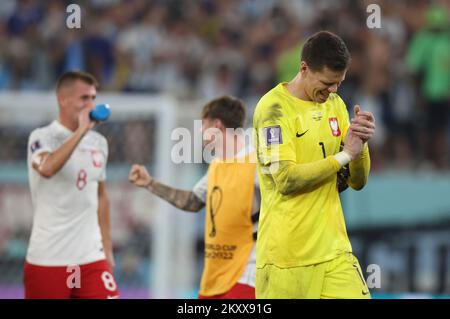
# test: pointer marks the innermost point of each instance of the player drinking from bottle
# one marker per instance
(70, 249)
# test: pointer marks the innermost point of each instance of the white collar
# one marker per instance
(61, 128)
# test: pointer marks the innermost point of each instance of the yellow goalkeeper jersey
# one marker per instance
(307, 227)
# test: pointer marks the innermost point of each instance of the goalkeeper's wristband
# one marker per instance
(343, 158)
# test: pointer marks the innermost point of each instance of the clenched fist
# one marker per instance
(139, 176)
(363, 124)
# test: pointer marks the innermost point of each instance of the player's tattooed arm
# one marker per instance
(185, 200)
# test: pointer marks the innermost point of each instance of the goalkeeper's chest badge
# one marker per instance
(334, 125)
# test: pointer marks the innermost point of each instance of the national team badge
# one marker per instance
(97, 158)
(334, 125)
(273, 135)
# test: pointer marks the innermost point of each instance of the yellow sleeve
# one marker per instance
(292, 178)
(274, 134)
(359, 170)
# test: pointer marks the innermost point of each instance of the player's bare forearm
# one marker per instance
(50, 163)
(293, 178)
(184, 200)
(359, 170)
(104, 222)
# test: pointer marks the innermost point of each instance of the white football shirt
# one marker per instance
(65, 223)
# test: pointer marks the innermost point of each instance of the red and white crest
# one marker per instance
(334, 125)
(97, 158)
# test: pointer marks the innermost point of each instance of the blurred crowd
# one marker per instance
(129, 141)
(204, 48)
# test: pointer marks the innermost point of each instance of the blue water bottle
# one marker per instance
(100, 112)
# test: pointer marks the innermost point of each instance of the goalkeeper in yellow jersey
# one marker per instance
(303, 250)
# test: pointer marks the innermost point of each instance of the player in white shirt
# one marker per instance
(70, 249)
